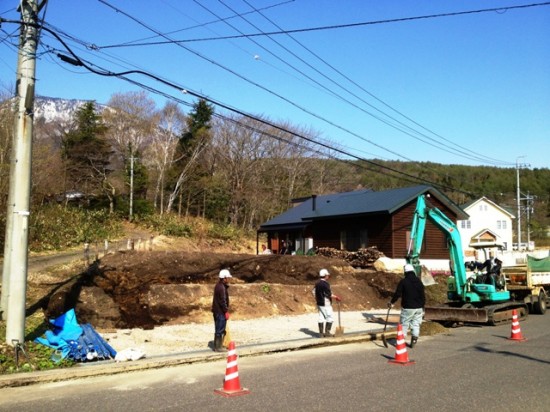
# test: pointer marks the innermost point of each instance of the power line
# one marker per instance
(287, 100)
(453, 149)
(210, 22)
(454, 144)
(75, 60)
(123, 75)
(339, 26)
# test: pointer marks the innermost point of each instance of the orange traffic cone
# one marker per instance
(516, 330)
(401, 355)
(231, 384)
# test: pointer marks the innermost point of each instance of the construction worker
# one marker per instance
(323, 298)
(411, 291)
(220, 308)
(492, 266)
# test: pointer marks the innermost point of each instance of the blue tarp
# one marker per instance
(78, 342)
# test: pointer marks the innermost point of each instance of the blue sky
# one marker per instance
(476, 83)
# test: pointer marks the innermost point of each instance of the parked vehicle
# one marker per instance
(530, 283)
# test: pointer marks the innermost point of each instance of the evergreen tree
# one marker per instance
(190, 148)
(86, 152)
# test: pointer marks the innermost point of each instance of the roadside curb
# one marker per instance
(86, 370)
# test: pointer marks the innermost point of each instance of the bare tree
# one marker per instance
(132, 119)
(263, 167)
(161, 151)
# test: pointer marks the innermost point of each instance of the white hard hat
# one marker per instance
(408, 268)
(323, 273)
(224, 273)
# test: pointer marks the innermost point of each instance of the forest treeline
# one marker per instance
(131, 159)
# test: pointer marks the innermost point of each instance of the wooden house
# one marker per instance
(360, 219)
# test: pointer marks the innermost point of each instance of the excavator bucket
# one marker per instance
(450, 314)
(426, 277)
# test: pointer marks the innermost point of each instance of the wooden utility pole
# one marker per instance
(17, 220)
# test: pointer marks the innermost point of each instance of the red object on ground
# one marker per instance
(401, 355)
(231, 384)
(516, 330)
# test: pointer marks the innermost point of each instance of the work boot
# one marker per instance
(321, 327)
(414, 339)
(327, 330)
(218, 344)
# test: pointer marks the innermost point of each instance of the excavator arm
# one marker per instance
(423, 212)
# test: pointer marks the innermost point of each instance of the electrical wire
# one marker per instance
(440, 146)
(207, 23)
(454, 146)
(285, 99)
(305, 110)
(335, 27)
(75, 60)
(452, 149)
(123, 75)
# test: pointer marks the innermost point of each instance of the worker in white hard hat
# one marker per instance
(411, 291)
(220, 308)
(323, 298)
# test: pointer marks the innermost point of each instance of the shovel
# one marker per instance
(339, 330)
(384, 341)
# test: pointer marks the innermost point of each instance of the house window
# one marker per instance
(501, 224)
(353, 239)
(465, 224)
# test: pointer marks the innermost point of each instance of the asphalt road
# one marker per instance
(470, 368)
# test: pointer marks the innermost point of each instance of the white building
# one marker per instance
(488, 224)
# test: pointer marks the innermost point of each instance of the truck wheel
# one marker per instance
(540, 304)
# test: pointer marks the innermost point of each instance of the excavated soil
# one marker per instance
(144, 289)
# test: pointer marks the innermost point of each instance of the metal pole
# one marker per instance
(15, 321)
(529, 211)
(518, 197)
(131, 212)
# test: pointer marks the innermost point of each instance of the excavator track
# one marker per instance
(503, 312)
(489, 315)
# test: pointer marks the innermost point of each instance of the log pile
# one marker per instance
(362, 258)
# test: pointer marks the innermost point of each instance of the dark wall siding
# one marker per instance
(434, 244)
(326, 233)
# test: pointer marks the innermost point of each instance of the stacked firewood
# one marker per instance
(362, 258)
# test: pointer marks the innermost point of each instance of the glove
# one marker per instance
(337, 298)
(226, 315)
(390, 305)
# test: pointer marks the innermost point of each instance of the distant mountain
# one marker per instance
(53, 109)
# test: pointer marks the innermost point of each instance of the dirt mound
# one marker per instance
(149, 288)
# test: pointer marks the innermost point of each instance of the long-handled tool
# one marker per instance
(339, 330)
(384, 341)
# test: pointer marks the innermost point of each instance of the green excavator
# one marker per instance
(468, 299)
